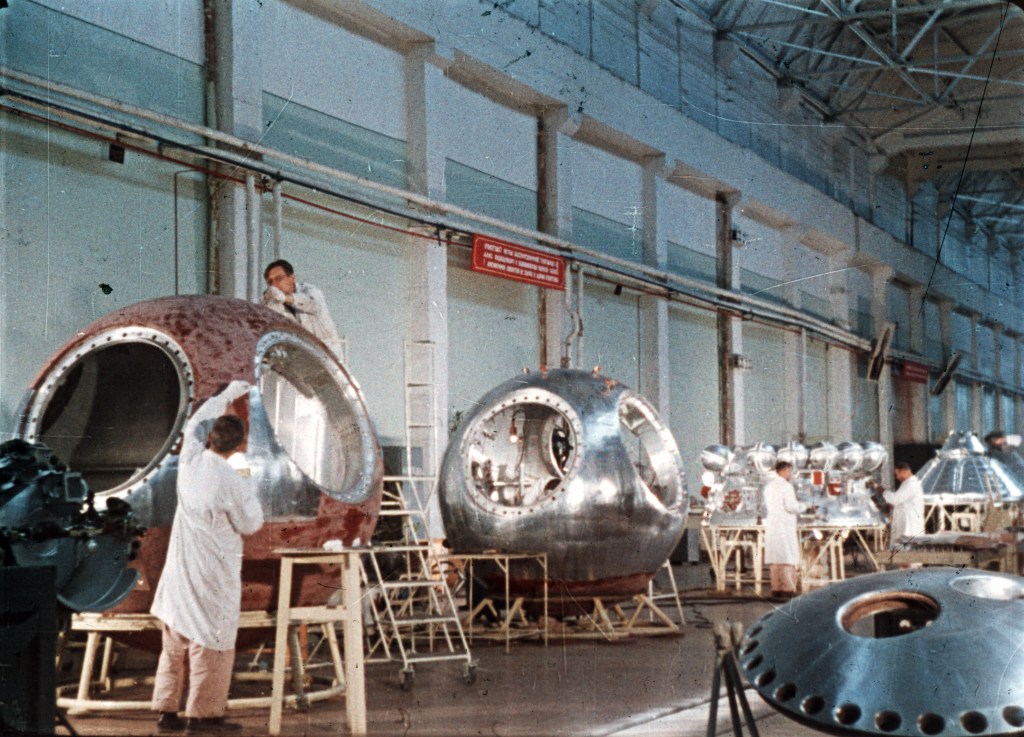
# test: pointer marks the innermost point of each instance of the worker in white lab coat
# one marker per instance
(907, 507)
(199, 595)
(300, 301)
(781, 542)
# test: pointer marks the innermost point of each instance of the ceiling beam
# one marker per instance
(868, 66)
(878, 51)
(816, 16)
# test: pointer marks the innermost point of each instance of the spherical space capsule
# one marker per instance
(716, 457)
(569, 464)
(793, 453)
(113, 401)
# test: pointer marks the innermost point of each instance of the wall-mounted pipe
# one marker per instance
(278, 217)
(580, 278)
(252, 238)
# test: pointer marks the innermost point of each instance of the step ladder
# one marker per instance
(412, 613)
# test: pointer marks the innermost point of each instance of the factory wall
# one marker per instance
(814, 230)
(82, 236)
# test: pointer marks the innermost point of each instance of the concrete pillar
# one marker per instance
(655, 378)
(880, 277)
(1018, 406)
(795, 368)
(919, 392)
(427, 299)
(554, 216)
(730, 331)
(997, 376)
(977, 390)
(946, 336)
(233, 33)
(840, 362)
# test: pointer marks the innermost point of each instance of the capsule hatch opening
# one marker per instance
(113, 412)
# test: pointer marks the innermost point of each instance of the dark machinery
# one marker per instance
(48, 518)
(58, 554)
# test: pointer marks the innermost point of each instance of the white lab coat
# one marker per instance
(200, 589)
(309, 309)
(907, 510)
(781, 544)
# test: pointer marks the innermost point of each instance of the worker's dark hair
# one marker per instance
(227, 433)
(994, 435)
(782, 466)
(288, 270)
(903, 466)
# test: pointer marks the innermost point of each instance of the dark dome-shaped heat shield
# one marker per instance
(932, 651)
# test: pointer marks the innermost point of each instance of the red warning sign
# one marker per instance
(511, 261)
(914, 372)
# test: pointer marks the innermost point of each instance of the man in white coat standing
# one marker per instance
(907, 507)
(199, 596)
(781, 542)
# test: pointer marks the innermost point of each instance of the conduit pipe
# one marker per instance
(733, 301)
(567, 294)
(278, 217)
(580, 278)
(252, 238)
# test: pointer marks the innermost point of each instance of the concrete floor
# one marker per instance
(656, 685)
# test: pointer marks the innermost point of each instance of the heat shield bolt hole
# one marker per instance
(888, 721)
(974, 722)
(847, 714)
(785, 692)
(931, 723)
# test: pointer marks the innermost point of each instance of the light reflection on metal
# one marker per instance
(113, 401)
(793, 453)
(716, 457)
(822, 455)
(875, 456)
(931, 651)
(832, 480)
(849, 457)
(761, 458)
(594, 480)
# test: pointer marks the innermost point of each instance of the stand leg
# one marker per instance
(63, 721)
(733, 674)
(298, 669)
(730, 688)
(726, 639)
(716, 688)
